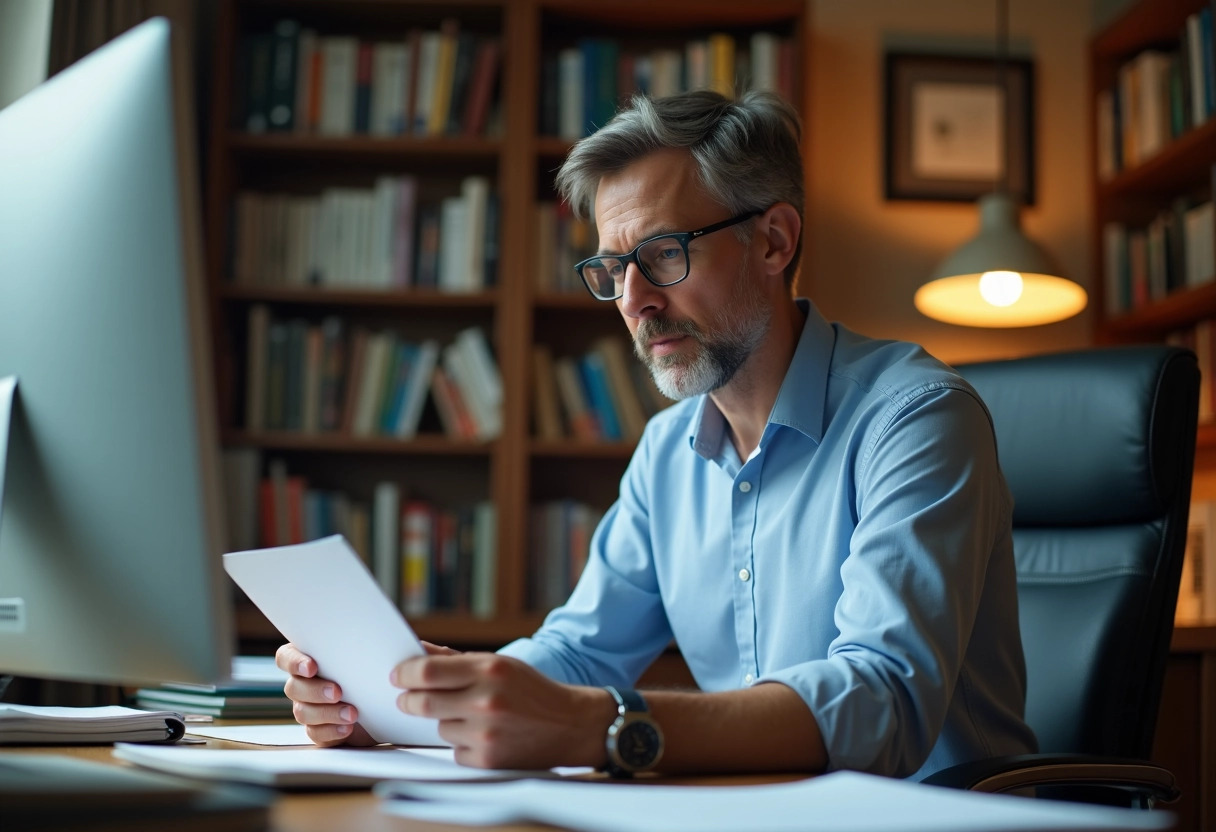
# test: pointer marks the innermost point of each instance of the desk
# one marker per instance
(359, 810)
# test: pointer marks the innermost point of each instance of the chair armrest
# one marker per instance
(1150, 782)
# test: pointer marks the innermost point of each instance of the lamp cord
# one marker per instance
(1002, 85)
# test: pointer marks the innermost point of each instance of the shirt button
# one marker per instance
(745, 487)
(749, 679)
(744, 575)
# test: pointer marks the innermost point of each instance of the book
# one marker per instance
(386, 539)
(546, 412)
(419, 385)
(77, 726)
(483, 601)
(417, 541)
(340, 56)
(281, 92)
(257, 698)
(625, 397)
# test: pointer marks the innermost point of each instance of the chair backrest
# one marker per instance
(1098, 449)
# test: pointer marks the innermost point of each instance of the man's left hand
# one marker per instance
(500, 713)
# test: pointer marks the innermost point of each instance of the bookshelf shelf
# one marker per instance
(409, 298)
(581, 449)
(364, 148)
(1181, 164)
(579, 300)
(341, 443)
(1144, 193)
(1175, 311)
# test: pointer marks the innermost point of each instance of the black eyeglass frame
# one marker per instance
(682, 237)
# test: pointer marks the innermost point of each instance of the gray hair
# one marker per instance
(746, 151)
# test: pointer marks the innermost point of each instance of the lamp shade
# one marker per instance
(999, 278)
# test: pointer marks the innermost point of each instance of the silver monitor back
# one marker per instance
(110, 521)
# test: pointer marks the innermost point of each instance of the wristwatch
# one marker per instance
(634, 740)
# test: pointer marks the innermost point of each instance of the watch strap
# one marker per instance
(627, 700)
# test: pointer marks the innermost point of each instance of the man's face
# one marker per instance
(693, 336)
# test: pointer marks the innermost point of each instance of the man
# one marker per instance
(820, 523)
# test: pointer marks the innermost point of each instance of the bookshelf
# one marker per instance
(516, 153)
(1146, 54)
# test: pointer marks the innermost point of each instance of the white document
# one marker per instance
(840, 802)
(322, 598)
(311, 767)
(293, 734)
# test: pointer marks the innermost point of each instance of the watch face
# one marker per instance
(638, 743)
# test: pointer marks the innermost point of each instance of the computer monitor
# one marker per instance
(111, 525)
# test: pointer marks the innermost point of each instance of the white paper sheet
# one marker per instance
(322, 598)
(311, 767)
(294, 734)
(839, 802)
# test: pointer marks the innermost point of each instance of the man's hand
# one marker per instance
(500, 713)
(317, 703)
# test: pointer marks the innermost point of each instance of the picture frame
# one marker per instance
(942, 128)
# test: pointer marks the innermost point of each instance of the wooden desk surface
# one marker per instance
(327, 811)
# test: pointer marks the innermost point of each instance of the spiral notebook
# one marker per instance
(41, 724)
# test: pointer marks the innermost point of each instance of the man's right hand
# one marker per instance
(317, 703)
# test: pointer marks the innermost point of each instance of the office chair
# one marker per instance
(1098, 448)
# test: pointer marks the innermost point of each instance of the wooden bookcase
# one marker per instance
(1182, 167)
(514, 470)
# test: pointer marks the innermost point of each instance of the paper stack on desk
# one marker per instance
(840, 802)
(313, 767)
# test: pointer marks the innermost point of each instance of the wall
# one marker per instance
(867, 256)
(25, 27)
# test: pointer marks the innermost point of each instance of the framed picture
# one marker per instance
(950, 134)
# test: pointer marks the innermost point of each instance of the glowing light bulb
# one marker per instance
(1001, 288)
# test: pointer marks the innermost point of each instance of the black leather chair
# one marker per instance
(1098, 449)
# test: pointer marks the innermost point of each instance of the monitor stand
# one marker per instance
(12, 610)
(8, 395)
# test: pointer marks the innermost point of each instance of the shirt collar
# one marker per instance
(800, 401)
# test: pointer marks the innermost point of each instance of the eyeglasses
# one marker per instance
(663, 260)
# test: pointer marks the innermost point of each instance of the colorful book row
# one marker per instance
(429, 83)
(604, 395)
(561, 241)
(1159, 94)
(1175, 250)
(582, 85)
(330, 378)
(379, 238)
(560, 539)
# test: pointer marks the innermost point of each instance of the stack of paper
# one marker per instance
(839, 802)
(314, 767)
(76, 726)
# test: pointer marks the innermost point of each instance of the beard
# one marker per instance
(722, 347)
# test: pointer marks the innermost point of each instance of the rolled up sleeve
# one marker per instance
(930, 505)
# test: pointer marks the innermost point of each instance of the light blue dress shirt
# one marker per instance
(862, 555)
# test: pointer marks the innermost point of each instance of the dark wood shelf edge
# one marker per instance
(1193, 638)
(429, 298)
(581, 449)
(474, 147)
(1194, 149)
(1139, 24)
(342, 443)
(1175, 311)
